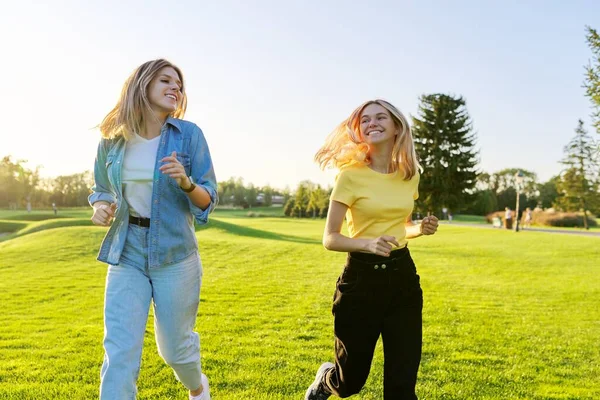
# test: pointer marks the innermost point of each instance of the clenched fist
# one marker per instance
(429, 225)
(104, 213)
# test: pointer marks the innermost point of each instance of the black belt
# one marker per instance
(145, 222)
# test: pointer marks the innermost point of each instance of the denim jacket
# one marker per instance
(172, 236)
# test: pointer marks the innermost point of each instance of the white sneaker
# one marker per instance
(206, 389)
(205, 395)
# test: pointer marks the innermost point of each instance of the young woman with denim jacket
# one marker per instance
(378, 293)
(153, 177)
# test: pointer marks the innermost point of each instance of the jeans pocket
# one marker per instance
(349, 280)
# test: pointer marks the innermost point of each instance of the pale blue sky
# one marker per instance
(268, 80)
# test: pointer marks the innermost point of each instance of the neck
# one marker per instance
(152, 125)
(381, 157)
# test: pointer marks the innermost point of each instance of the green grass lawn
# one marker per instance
(506, 316)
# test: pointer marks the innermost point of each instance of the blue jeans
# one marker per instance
(130, 288)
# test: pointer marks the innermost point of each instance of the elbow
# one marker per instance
(327, 242)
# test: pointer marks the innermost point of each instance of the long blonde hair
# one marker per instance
(127, 116)
(344, 146)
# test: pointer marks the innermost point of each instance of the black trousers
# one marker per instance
(377, 296)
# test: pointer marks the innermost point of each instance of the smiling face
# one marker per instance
(165, 92)
(377, 125)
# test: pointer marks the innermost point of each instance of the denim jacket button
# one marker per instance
(376, 267)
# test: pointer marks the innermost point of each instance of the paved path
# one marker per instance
(594, 233)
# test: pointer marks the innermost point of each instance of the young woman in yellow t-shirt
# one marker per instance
(378, 293)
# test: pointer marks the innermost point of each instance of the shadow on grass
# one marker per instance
(256, 233)
(32, 227)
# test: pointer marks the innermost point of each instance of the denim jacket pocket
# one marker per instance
(184, 159)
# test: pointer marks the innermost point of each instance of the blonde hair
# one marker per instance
(127, 116)
(344, 146)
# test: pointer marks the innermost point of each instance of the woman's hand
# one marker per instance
(429, 225)
(175, 170)
(103, 213)
(382, 246)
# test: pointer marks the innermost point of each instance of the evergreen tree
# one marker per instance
(578, 184)
(445, 144)
(592, 75)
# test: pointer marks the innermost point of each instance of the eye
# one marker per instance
(381, 117)
(164, 81)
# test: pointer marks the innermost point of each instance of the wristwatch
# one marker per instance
(192, 186)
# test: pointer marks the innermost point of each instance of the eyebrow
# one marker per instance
(170, 77)
(377, 115)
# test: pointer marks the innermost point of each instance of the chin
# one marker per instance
(170, 108)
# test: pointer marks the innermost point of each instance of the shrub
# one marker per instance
(550, 218)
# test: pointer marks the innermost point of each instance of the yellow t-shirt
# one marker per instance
(378, 204)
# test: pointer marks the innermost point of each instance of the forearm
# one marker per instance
(337, 242)
(413, 231)
(200, 197)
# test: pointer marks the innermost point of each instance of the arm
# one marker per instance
(100, 191)
(333, 240)
(199, 196)
(102, 199)
(428, 226)
(204, 197)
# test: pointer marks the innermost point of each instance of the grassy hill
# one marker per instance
(506, 316)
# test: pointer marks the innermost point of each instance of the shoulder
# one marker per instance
(184, 126)
(108, 143)
(353, 171)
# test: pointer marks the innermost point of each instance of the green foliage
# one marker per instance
(445, 144)
(578, 184)
(288, 209)
(592, 75)
(17, 183)
(20, 185)
(548, 192)
(234, 192)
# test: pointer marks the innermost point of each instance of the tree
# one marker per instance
(592, 76)
(251, 195)
(17, 182)
(267, 192)
(239, 193)
(318, 200)
(578, 183)
(504, 183)
(548, 192)
(288, 209)
(302, 198)
(445, 144)
(71, 190)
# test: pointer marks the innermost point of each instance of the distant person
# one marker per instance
(153, 177)
(450, 217)
(528, 218)
(54, 208)
(378, 293)
(508, 218)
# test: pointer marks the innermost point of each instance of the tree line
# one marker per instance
(446, 144)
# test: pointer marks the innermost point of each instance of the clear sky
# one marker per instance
(268, 80)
